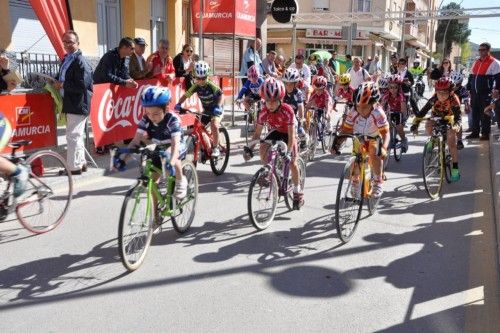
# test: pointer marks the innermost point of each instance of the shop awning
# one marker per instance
(279, 40)
(356, 42)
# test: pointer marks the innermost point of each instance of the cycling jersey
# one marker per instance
(208, 94)
(164, 131)
(250, 89)
(450, 107)
(393, 102)
(345, 93)
(278, 120)
(320, 100)
(293, 99)
(373, 125)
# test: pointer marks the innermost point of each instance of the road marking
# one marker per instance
(458, 194)
(462, 217)
(461, 298)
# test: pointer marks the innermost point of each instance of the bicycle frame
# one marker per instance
(198, 130)
(272, 161)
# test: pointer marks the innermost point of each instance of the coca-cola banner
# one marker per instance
(116, 110)
(225, 17)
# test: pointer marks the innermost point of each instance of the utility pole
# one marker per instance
(349, 33)
(403, 22)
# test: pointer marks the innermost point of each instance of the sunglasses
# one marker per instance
(189, 51)
(446, 63)
(482, 50)
(69, 42)
(201, 78)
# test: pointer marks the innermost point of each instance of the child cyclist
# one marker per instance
(367, 118)
(463, 96)
(250, 89)
(321, 99)
(295, 98)
(343, 91)
(394, 103)
(211, 99)
(444, 104)
(280, 120)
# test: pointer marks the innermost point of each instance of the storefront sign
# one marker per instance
(334, 33)
(32, 118)
(116, 110)
(282, 10)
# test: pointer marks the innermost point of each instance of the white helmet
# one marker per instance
(383, 83)
(201, 69)
(291, 75)
(456, 77)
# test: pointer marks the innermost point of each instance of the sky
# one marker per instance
(482, 29)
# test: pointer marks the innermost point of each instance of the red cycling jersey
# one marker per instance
(278, 120)
(345, 93)
(320, 99)
(394, 102)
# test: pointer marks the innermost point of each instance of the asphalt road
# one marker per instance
(416, 266)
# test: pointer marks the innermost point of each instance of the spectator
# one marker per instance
(304, 70)
(183, 65)
(445, 68)
(408, 82)
(367, 63)
(75, 83)
(138, 68)
(333, 63)
(251, 57)
(6, 83)
(348, 61)
(280, 65)
(268, 64)
(358, 74)
(484, 75)
(393, 68)
(375, 69)
(113, 66)
(162, 63)
(330, 77)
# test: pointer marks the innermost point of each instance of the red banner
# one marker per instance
(54, 17)
(225, 17)
(116, 110)
(32, 118)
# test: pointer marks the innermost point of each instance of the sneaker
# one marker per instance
(180, 190)
(298, 200)
(355, 189)
(377, 190)
(404, 144)
(215, 152)
(20, 180)
(460, 145)
(455, 175)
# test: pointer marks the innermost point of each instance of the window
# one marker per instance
(108, 24)
(364, 6)
(158, 22)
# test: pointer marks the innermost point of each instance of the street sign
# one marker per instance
(282, 10)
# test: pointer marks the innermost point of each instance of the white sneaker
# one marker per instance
(377, 190)
(215, 152)
(180, 190)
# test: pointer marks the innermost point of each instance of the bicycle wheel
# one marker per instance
(347, 208)
(324, 137)
(47, 197)
(447, 164)
(248, 125)
(262, 198)
(219, 164)
(185, 208)
(313, 141)
(135, 228)
(302, 177)
(432, 171)
(372, 201)
(397, 148)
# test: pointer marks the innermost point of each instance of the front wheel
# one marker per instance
(135, 228)
(432, 170)
(302, 180)
(397, 146)
(313, 140)
(447, 165)
(185, 209)
(262, 198)
(47, 197)
(219, 164)
(349, 203)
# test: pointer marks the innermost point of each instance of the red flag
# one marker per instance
(55, 18)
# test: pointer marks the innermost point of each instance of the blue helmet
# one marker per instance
(155, 96)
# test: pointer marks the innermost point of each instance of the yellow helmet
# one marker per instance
(345, 79)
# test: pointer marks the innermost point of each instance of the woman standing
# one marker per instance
(184, 65)
(445, 68)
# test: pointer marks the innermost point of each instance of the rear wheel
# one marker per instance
(447, 164)
(349, 203)
(185, 209)
(324, 138)
(135, 228)
(47, 196)
(262, 198)
(397, 147)
(219, 164)
(313, 140)
(302, 180)
(432, 169)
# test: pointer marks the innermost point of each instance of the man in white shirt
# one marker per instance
(358, 74)
(304, 70)
(268, 64)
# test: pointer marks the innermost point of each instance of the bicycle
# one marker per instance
(251, 119)
(199, 144)
(271, 182)
(395, 144)
(316, 123)
(135, 228)
(47, 197)
(349, 201)
(436, 159)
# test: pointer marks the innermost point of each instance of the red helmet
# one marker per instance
(444, 83)
(395, 79)
(320, 82)
(272, 89)
(366, 93)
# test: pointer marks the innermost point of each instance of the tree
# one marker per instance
(466, 52)
(452, 31)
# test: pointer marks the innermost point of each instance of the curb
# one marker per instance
(495, 181)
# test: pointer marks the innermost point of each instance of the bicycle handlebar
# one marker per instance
(149, 151)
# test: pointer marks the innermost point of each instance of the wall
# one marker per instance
(84, 23)
(5, 30)
(136, 16)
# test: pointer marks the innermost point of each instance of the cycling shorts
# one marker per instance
(398, 118)
(280, 136)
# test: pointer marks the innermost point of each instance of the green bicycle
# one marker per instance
(147, 201)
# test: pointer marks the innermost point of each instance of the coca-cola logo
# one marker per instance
(116, 113)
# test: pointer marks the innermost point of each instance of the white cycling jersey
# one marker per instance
(370, 126)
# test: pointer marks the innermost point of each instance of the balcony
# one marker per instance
(411, 31)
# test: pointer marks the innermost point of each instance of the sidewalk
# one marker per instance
(495, 180)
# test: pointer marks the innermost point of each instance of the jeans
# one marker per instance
(481, 122)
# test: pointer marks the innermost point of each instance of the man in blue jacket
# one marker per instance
(113, 66)
(74, 80)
